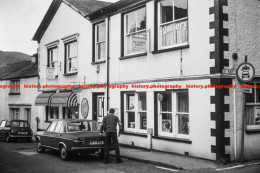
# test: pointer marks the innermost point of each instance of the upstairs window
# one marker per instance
(173, 23)
(100, 42)
(135, 32)
(53, 59)
(15, 86)
(71, 56)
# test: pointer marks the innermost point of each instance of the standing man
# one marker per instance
(108, 125)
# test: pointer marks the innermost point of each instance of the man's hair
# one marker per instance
(111, 110)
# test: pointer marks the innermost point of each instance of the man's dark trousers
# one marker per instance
(108, 137)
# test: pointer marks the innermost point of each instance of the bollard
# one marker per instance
(149, 138)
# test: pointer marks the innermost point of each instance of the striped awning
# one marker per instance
(68, 99)
(43, 99)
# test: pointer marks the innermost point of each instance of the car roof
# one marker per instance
(74, 120)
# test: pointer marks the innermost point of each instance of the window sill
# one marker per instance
(70, 74)
(14, 93)
(170, 49)
(98, 62)
(132, 56)
(134, 134)
(253, 129)
(181, 140)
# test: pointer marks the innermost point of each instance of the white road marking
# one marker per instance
(238, 166)
(174, 170)
(28, 153)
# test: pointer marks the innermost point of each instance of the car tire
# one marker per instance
(39, 147)
(101, 154)
(8, 138)
(64, 154)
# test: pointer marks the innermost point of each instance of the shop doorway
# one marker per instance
(28, 115)
(98, 107)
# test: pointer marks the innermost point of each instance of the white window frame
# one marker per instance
(53, 63)
(255, 103)
(14, 90)
(101, 41)
(126, 34)
(136, 129)
(174, 122)
(15, 113)
(160, 28)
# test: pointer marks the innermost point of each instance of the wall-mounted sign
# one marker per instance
(50, 73)
(174, 26)
(139, 44)
(76, 89)
(84, 108)
(245, 72)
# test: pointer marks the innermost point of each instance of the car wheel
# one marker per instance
(39, 147)
(101, 154)
(64, 154)
(8, 138)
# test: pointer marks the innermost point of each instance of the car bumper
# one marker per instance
(19, 136)
(86, 148)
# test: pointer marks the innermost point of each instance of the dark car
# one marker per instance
(71, 136)
(15, 129)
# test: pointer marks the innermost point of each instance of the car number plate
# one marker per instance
(22, 133)
(96, 142)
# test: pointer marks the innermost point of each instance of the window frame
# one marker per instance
(136, 112)
(256, 102)
(66, 49)
(124, 30)
(50, 62)
(174, 123)
(14, 112)
(158, 24)
(95, 42)
(15, 90)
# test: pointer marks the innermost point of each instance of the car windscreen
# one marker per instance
(81, 126)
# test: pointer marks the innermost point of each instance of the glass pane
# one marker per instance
(183, 124)
(131, 119)
(101, 50)
(166, 104)
(54, 55)
(166, 11)
(183, 102)
(253, 115)
(52, 126)
(74, 64)
(15, 124)
(73, 49)
(141, 19)
(143, 120)
(58, 127)
(257, 93)
(130, 22)
(167, 122)
(250, 98)
(142, 101)
(130, 102)
(180, 9)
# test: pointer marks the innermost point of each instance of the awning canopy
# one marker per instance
(43, 99)
(68, 99)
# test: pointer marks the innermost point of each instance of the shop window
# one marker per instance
(53, 59)
(135, 112)
(14, 113)
(16, 86)
(172, 23)
(253, 109)
(100, 42)
(52, 113)
(135, 32)
(173, 114)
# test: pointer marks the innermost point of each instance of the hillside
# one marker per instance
(13, 57)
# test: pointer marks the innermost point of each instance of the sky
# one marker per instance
(19, 20)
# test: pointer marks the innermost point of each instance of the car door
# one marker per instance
(48, 134)
(56, 135)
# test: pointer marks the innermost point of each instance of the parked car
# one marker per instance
(71, 136)
(15, 129)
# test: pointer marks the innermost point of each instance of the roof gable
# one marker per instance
(84, 7)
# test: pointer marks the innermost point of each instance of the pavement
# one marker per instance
(169, 160)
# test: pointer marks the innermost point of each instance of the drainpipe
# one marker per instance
(235, 122)
(108, 62)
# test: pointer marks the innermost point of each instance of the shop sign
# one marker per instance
(84, 108)
(245, 72)
(174, 26)
(247, 90)
(50, 73)
(138, 44)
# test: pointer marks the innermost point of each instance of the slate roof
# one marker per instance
(84, 7)
(23, 69)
